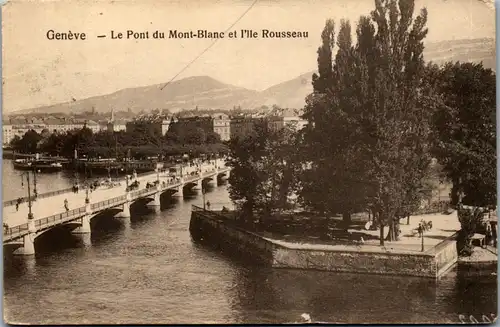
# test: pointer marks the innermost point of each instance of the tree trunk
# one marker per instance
(346, 219)
(390, 235)
(393, 230)
(381, 228)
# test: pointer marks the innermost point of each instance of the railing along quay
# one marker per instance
(39, 196)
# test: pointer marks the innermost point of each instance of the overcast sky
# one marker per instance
(37, 71)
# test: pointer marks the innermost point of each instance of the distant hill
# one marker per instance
(207, 93)
(289, 94)
(187, 93)
(292, 93)
(474, 50)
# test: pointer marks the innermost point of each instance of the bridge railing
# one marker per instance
(172, 182)
(107, 203)
(60, 216)
(40, 196)
(209, 172)
(190, 178)
(13, 231)
(70, 189)
(138, 193)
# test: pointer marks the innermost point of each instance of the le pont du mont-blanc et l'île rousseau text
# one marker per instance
(177, 34)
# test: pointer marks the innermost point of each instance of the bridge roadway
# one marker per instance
(55, 204)
(50, 212)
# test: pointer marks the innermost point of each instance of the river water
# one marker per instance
(148, 270)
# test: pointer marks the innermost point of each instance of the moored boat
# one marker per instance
(41, 165)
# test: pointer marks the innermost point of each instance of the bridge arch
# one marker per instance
(169, 191)
(142, 200)
(189, 185)
(12, 246)
(69, 226)
(106, 212)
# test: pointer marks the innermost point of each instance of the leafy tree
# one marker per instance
(45, 133)
(368, 134)
(280, 167)
(213, 138)
(470, 218)
(83, 139)
(28, 143)
(245, 179)
(325, 51)
(195, 136)
(54, 144)
(265, 170)
(14, 143)
(465, 131)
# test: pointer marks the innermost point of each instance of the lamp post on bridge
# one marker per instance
(35, 192)
(34, 184)
(30, 214)
(76, 167)
(203, 191)
(87, 200)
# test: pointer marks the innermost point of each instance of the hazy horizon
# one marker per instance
(39, 72)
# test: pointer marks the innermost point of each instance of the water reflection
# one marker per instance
(12, 188)
(146, 269)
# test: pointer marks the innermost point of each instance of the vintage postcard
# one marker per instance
(249, 161)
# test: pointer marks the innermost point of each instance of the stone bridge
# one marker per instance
(22, 231)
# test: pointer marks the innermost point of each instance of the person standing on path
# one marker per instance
(66, 205)
(18, 203)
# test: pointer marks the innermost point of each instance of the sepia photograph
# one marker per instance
(249, 162)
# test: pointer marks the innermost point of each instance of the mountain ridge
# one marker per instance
(206, 92)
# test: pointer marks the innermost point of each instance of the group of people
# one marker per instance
(153, 184)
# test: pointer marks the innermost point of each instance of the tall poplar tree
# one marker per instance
(368, 136)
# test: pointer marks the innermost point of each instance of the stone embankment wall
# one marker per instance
(208, 227)
(445, 254)
(356, 261)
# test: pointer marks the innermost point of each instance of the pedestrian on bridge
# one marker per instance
(18, 203)
(66, 205)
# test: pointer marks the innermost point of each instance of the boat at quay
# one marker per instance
(40, 165)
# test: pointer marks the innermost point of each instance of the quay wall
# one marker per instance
(209, 227)
(446, 254)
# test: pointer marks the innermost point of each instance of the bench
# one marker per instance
(480, 238)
